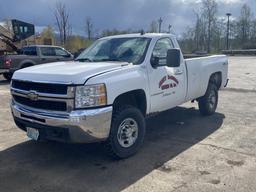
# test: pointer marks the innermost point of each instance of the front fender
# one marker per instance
(122, 81)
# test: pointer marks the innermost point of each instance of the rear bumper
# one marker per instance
(82, 126)
(4, 71)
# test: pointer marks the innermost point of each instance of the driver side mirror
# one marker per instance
(173, 58)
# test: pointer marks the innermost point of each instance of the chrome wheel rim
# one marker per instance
(127, 132)
(212, 99)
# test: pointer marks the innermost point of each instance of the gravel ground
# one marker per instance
(183, 151)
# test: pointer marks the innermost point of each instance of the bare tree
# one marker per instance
(62, 20)
(210, 9)
(109, 32)
(199, 34)
(48, 36)
(153, 27)
(209, 31)
(89, 27)
(244, 23)
(253, 31)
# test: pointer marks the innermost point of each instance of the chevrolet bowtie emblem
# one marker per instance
(32, 95)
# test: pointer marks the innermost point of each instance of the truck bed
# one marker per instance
(200, 69)
(2, 59)
(191, 56)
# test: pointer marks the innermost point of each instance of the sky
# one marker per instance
(119, 14)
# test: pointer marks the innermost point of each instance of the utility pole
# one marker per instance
(160, 20)
(169, 28)
(228, 26)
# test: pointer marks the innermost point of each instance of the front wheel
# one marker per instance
(208, 103)
(127, 132)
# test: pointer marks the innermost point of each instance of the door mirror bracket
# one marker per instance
(154, 62)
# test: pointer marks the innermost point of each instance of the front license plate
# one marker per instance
(33, 133)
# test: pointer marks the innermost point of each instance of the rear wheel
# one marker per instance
(8, 76)
(127, 132)
(208, 103)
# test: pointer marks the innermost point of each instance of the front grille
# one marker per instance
(42, 104)
(40, 87)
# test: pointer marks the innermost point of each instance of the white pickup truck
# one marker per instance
(112, 86)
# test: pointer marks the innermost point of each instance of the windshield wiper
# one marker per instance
(83, 59)
(109, 60)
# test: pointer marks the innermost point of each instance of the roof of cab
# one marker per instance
(149, 35)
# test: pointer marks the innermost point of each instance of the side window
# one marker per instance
(61, 52)
(160, 50)
(48, 51)
(29, 51)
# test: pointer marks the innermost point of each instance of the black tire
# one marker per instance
(8, 76)
(113, 145)
(208, 103)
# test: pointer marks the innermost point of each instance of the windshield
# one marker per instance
(131, 50)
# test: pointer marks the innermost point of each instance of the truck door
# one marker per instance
(48, 55)
(167, 84)
(31, 51)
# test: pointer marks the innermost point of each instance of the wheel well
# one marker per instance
(216, 78)
(136, 98)
(24, 65)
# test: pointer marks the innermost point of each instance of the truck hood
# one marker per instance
(71, 72)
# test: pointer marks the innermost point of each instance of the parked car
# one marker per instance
(110, 89)
(30, 56)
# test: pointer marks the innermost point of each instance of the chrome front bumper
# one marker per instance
(84, 126)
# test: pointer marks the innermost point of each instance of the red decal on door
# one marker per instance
(173, 78)
(162, 81)
(165, 86)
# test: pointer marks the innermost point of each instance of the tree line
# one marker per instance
(207, 34)
(210, 31)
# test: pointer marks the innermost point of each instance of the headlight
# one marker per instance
(90, 96)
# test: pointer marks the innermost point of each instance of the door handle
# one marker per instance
(43, 59)
(178, 72)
